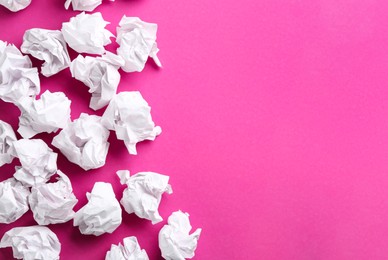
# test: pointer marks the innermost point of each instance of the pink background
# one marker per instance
(275, 126)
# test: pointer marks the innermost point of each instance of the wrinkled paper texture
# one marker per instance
(13, 200)
(137, 40)
(53, 203)
(38, 161)
(17, 76)
(174, 239)
(102, 214)
(32, 243)
(83, 5)
(143, 193)
(47, 114)
(86, 33)
(129, 251)
(129, 115)
(49, 46)
(15, 5)
(7, 136)
(84, 142)
(100, 75)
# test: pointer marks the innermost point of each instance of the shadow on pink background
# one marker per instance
(275, 126)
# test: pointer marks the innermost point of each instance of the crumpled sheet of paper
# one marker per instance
(13, 200)
(86, 33)
(129, 115)
(143, 193)
(53, 203)
(137, 40)
(15, 5)
(83, 5)
(17, 76)
(102, 214)
(7, 136)
(32, 243)
(174, 239)
(38, 161)
(129, 251)
(100, 75)
(47, 114)
(84, 142)
(47, 45)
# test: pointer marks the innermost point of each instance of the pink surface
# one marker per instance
(275, 126)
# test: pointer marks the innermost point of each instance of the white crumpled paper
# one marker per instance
(17, 76)
(53, 203)
(15, 5)
(83, 5)
(129, 115)
(47, 45)
(7, 136)
(174, 239)
(102, 214)
(13, 200)
(129, 251)
(137, 40)
(86, 33)
(84, 142)
(143, 193)
(100, 75)
(32, 243)
(38, 161)
(47, 114)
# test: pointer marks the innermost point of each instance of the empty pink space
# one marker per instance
(275, 126)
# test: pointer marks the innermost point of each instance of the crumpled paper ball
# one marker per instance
(86, 33)
(102, 214)
(17, 76)
(15, 5)
(130, 250)
(38, 161)
(84, 142)
(129, 115)
(7, 137)
(32, 243)
(53, 203)
(13, 200)
(137, 40)
(47, 114)
(100, 75)
(175, 242)
(83, 5)
(47, 45)
(143, 193)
